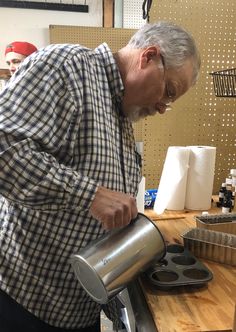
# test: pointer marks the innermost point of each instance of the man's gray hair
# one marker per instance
(176, 44)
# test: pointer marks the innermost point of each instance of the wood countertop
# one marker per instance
(185, 308)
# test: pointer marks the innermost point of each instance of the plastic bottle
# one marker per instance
(233, 200)
(229, 181)
(227, 203)
(222, 192)
(233, 175)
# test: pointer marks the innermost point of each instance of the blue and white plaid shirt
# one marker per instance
(61, 135)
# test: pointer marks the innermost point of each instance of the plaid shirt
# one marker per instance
(61, 135)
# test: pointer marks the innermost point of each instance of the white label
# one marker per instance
(225, 210)
(228, 181)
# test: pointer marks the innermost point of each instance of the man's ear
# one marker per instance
(150, 53)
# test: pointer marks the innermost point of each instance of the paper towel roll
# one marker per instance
(172, 186)
(140, 195)
(200, 177)
(187, 179)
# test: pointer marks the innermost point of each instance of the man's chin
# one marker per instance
(136, 113)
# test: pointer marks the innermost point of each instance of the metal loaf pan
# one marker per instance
(225, 223)
(216, 246)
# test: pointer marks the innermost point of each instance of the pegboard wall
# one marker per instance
(90, 36)
(132, 14)
(199, 117)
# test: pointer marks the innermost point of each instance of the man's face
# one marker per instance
(13, 61)
(155, 87)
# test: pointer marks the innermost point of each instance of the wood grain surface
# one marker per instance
(185, 308)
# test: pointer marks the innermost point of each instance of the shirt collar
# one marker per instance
(112, 71)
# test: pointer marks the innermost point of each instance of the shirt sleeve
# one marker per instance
(39, 119)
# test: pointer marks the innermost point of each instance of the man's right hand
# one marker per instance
(113, 208)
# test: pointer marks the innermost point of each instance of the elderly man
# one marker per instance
(68, 166)
(16, 52)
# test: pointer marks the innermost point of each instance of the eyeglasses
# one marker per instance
(169, 94)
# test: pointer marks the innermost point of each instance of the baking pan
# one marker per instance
(216, 246)
(178, 268)
(225, 223)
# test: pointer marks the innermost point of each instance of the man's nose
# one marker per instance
(12, 66)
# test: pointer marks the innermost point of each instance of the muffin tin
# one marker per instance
(178, 268)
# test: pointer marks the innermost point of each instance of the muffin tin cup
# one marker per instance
(178, 268)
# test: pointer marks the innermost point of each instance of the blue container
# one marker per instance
(149, 198)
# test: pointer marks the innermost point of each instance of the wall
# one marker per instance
(199, 117)
(33, 25)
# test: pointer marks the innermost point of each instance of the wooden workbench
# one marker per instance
(188, 309)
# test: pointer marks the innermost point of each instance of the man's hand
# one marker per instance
(113, 208)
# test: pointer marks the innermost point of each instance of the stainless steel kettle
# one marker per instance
(108, 264)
